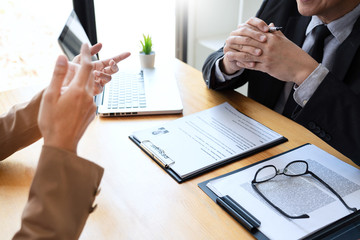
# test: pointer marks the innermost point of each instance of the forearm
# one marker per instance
(61, 196)
(19, 127)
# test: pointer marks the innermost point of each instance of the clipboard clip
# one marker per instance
(238, 212)
(157, 153)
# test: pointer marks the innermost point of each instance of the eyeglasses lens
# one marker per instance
(296, 168)
(266, 173)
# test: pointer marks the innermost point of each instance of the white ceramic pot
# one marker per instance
(147, 60)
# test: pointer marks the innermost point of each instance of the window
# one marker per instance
(28, 40)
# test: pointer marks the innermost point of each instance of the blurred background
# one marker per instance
(186, 29)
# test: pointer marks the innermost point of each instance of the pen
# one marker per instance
(273, 29)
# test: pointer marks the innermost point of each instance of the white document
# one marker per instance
(198, 141)
(295, 195)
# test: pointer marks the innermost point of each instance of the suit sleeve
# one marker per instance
(208, 71)
(61, 196)
(333, 114)
(18, 127)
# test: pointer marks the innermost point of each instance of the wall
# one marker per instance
(210, 23)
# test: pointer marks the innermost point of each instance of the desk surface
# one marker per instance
(138, 199)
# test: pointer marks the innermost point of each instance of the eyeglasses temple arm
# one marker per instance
(332, 190)
(277, 208)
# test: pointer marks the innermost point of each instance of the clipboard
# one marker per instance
(347, 227)
(200, 142)
(165, 162)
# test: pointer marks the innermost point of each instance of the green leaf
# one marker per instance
(146, 44)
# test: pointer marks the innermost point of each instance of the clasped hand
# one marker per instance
(252, 46)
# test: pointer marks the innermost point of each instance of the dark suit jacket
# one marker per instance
(333, 112)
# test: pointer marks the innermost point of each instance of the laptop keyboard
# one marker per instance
(126, 91)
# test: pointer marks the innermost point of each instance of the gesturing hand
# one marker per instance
(63, 118)
(103, 69)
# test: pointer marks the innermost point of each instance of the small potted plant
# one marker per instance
(147, 56)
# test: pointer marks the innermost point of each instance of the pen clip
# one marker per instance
(274, 29)
(157, 153)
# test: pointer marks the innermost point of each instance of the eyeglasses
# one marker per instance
(293, 169)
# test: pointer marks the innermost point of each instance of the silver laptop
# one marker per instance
(131, 91)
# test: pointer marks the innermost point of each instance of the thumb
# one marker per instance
(59, 74)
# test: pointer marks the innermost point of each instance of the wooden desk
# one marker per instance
(138, 199)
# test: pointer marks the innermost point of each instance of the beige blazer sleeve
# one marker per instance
(18, 127)
(61, 196)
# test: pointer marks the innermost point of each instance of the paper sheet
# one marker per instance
(295, 195)
(203, 139)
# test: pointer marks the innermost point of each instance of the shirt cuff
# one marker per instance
(305, 91)
(222, 77)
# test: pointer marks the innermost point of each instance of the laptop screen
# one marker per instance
(72, 37)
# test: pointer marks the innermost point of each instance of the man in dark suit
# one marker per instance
(319, 88)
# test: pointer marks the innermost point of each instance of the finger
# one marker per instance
(91, 82)
(76, 59)
(98, 87)
(72, 69)
(104, 63)
(242, 57)
(250, 32)
(59, 74)
(84, 75)
(95, 49)
(245, 49)
(63, 89)
(113, 68)
(244, 44)
(251, 50)
(73, 66)
(248, 65)
(103, 76)
(121, 57)
(258, 23)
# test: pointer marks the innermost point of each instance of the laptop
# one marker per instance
(131, 91)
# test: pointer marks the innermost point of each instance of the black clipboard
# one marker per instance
(179, 179)
(345, 228)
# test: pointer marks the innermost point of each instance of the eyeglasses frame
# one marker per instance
(253, 184)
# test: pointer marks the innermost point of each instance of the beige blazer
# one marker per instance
(64, 186)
